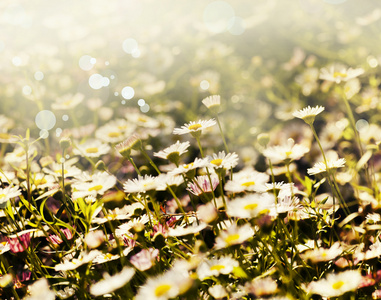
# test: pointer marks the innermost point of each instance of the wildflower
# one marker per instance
(173, 152)
(202, 184)
(234, 235)
(68, 101)
(115, 131)
(182, 231)
(98, 184)
(141, 184)
(338, 74)
(7, 194)
(94, 239)
(185, 168)
(336, 284)
(286, 153)
(373, 218)
(144, 259)
(125, 147)
(19, 243)
(207, 213)
(165, 181)
(92, 148)
(212, 103)
(72, 264)
(40, 290)
(321, 254)
(262, 286)
(218, 291)
(4, 247)
(308, 113)
(56, 239)
(110, 284)
(216, 266)
(321, 167)
(222, 160)
(194, 128)
(285, 205)
(247, 180)
(250, 206)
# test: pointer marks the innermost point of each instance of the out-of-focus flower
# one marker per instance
(337, 73)
(141, 184)
(262, 287)
(202, 184)
(70, 263)
(247, 180)
(144, 259)
(92, 148)
(207, 213)
(195, 128)
(19, 243)
(115, 131)
(68, 101)
(234, 235)
(212, 103)
(98, 184)
(7, 194)
(56, 239)
(110, 284)
(337, 284)
(321, 167)
(40, 290)
(94, 239)
(125, 147)
(322, 254)
(285, 153)
(185, 168)
(250, 206)
(217, 291)
(216, 266)
(308, 113)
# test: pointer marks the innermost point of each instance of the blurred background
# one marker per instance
(66, 64)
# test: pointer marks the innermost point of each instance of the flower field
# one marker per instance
(190, 150)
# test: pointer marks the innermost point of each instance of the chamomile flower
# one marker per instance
(336, 284)
(212, 103)
(216, 266)
(112, 283)
(285, 153)
(92, 148)
(8, 193)
(308, 113)
(321, 167)
(222, 160)
(285, 205)
(247, 180)
(125, 147)
(68, 101)
(73, 263)
(234, 235)
(185, 168)
(173, 152)
(194, 128)
(250, 206)
(141, 184)
(322, 254)
(338, 74)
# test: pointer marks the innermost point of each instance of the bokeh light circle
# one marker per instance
(86, 62)
(44, 134)
(128, 92)
(96, 81)
(130, 45)
(45, 119)
(38, 75)
(145, 108)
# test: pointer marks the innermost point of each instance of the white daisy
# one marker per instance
(212, 102)
(322, 254)
(8, 193)
(308, 113)
(321, 167)
(222, 160)
(247, 180)
(234, 235)
(141, 184)
(73, 263)
(338, 74)
(185, 168)
(68, 101)
(125, 147)
(166, 180)
(286, 153)
(202, 184)
(216, 266)
(92, 148)
(173, 152)
(111, 283)
(99, 183)
(194, 128)
(250, 206)
(336, 284)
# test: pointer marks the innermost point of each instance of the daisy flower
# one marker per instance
(98, 185)
(234, 235)
(68, 101)
(250, 206)
(166, 180)
(115, 131)
(212, 102)
(145, 259)
(92, 148)
(173, 152)
(336, 284)
(222, 160)
(40, 290)
(338, 74)
(262, 286)
(72, 264)
(125, 147)
(192, 229)
(185, 168)
(141, 184)
(322, 254)
(308, 113)
(285, 205)
(216, 266)
(321, 167)
(247, 180)
(194, 128)
(8, 193)
(110, 284)
(203, 184)
(286, 153)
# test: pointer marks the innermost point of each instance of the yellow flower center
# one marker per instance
(108, 256)
(248, 183)
(217, 267)
(5, 136)
(40, 181)
(188, 165)
(114, 134)
(141, 119)
(217, 161)
(2, 196)
(67, 102)
(288, 153)
(60, 171)
(195, 127)
(96, 188)
(21, 153)
(232, 238)
(338, 284)
(92, 150)
(339, 74)
(251, 206)
(162, 289)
